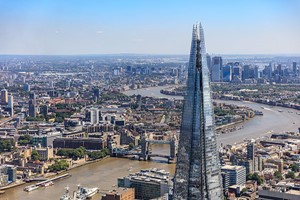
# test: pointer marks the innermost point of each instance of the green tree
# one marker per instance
(35, 155)
(295, 167)
(6, 145)
(59, 165)
(255, 177)
(278, 175)
(25, 140)
(290, 174)
(98, 154)
(62, 152)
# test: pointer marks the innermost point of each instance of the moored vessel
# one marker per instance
(31, 188)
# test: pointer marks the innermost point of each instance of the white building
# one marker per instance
(11, 104)
(94, 115)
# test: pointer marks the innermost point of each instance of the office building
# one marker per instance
(256, 72)
(227, 73)
(208, 58)
(246, 72)
(148, 184)
(295, 71)
(4, 96)
(237, 71)
(216, 69)
(10, 171)
(198, 167)
(233, 175)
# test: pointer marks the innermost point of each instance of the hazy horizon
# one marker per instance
(269, 27)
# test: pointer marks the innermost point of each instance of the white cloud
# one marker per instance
(99, 32)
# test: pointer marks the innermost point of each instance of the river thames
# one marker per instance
(104, 174)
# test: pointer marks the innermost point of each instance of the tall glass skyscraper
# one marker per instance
(197, 173)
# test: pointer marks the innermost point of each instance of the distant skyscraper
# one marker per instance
(279, 70)
(208, 62)
(269, 71)
(4, 96)
(227, 73)
(237, 71)
(11, 105)
(295, 68)
(246, 72)
(216, 69)
(256, 73)
(197, 173)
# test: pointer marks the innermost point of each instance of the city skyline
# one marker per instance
(140, 27)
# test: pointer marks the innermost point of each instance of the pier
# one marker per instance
(51, 179)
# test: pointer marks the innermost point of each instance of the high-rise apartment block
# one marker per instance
(11, 104)
(4, 96)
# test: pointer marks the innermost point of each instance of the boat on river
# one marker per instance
(31, 188)
(47, 184)
(85, 193)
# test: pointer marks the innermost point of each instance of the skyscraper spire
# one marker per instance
(197, 173)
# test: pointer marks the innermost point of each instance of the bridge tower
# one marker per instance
(144, 148)
(172, 149)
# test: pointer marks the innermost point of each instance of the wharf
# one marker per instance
(52, 179)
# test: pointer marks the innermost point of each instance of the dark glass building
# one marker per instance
(198, 173)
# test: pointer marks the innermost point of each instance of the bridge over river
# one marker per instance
(144, 151)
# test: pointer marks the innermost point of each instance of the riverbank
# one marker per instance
(272, 120)
(50, 175)
(12, 185)
(102, 174)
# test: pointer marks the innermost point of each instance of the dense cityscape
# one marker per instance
(122, 100)
(59, 113)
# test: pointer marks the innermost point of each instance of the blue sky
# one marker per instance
(148, 26)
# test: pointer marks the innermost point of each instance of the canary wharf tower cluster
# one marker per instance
(197, 173)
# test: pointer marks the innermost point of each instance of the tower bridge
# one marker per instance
(144, 151)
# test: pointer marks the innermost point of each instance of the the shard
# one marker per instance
(197, 173)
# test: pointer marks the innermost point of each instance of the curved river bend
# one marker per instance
(104, 174)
